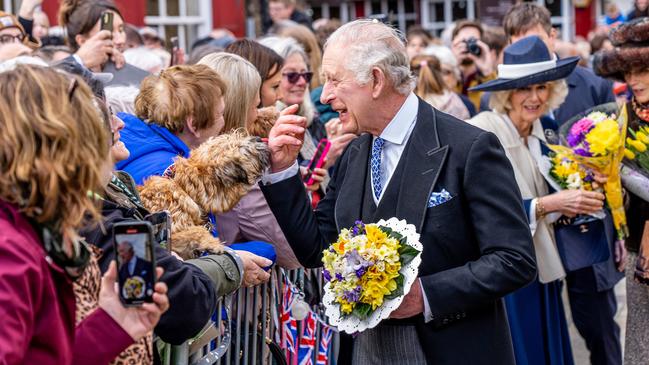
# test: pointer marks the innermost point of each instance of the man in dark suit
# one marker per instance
(452, 181)
(590, 290)
(131, 265)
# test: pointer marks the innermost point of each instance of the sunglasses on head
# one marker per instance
(294, 77)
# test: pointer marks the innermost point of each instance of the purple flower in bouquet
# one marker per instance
(359, 228)
(326, 275)
(583, 152)
(352, 296)
(355, 263)
(360, 272)
(578, 131)
(339, 276)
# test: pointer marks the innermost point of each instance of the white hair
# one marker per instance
(12, 63)
(285, 47)
(145, 59)
(369, 43)
(122, 98)
(445, 57)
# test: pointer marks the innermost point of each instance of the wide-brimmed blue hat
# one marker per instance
(528, 62)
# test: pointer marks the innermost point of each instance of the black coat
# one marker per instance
(477, 246)
(191, 291)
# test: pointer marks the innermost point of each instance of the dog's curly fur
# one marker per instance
(213, 179)
(266, 118)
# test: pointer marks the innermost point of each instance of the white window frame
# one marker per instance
(426, 21)
(204, 20)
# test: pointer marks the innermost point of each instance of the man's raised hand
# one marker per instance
(285, 139)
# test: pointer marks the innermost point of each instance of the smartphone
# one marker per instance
(173, 51)
(107, 21)
(318, 160)
(133, 243)
(161, 222)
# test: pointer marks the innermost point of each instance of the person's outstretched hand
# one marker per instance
(285, 139)
(136, 321)
(253, 268)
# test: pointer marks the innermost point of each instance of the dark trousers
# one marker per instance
(593, 313)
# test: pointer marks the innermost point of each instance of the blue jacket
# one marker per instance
(153, 148)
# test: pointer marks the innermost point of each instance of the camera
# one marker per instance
(473, 47)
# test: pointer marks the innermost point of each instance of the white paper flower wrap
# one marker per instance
(353, 324)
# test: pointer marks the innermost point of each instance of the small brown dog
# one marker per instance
(213, 179)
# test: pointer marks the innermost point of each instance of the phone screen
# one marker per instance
(107, 21)
(135, 266)
(161, 222)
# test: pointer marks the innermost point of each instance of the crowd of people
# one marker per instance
(95, 125)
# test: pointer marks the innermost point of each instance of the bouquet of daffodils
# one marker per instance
(368, 271)
(569, 174)
(635, 168)
(596, 141)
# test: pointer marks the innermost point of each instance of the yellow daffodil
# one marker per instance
(639, 146)
(603, 138)
(629, 154)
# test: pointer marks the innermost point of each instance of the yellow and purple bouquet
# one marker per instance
(569, 174)
(596, 141)
(367, 271)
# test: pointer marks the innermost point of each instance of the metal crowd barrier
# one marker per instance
(241, 333)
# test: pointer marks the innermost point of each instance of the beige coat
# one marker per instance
(530, 182)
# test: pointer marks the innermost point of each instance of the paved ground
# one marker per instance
(579, 350)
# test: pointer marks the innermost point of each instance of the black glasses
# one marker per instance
(8, 38)
(294, 77)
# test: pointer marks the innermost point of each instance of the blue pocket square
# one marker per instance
(439, 197)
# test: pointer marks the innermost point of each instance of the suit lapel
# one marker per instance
(350, 196)
(425, 159)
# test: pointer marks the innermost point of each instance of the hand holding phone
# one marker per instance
(317, 161)
(174, 51)
(133, 242)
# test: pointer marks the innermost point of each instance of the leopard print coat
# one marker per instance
(86, 291)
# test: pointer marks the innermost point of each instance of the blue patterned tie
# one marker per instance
(375, 164)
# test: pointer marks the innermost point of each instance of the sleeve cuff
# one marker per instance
(532, 215)
(428, 315)
(78, 60)
(237, 260)
(273, 178)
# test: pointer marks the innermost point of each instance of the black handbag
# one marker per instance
(583, 241)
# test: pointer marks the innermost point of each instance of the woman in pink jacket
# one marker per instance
(53, 149)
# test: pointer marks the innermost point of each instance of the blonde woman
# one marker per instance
(530, 83)
(251, 219)
(53, 149)
(243, 83)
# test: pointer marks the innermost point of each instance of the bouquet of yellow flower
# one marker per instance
(569, 174)
(596, 141)
(367, 271)
(635, 169)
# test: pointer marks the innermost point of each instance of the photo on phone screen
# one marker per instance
(135, 262)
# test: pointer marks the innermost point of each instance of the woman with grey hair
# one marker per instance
(530, 84)
(294, 89)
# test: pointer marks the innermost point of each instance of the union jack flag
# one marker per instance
(307, 341)
(289, 324)
(323, 346)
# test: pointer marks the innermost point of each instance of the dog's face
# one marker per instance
(266, 118)
(221, 170)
